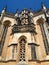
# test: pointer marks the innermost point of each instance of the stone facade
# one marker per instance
(24, 37)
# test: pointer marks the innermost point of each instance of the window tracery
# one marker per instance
(22, 43)
(22, 50)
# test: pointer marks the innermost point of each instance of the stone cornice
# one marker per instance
(12, 44)
(4, 61)
(38, 61)
(12, 60)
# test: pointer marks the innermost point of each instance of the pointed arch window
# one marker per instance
(22, 43)
(46, 44)
(4, 32)
(45, 39)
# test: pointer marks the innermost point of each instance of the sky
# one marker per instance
(13, 5)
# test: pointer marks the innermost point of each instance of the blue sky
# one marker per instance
(13, 5)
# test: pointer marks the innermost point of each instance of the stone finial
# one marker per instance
(3, 10)
(16, 15)
(31, 9)
(2, 13)
(31, 12)
(44, 7)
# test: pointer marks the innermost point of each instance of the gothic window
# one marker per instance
(45, 39)
(22, 49)
(4, 32)
(3, 38)
(33, 52)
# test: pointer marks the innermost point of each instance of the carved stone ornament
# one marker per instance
(23, 28)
